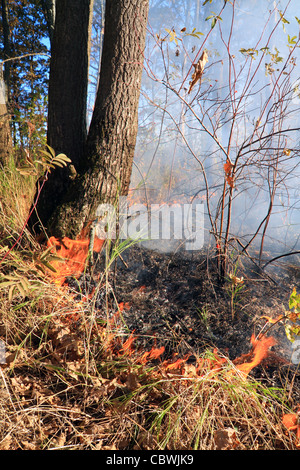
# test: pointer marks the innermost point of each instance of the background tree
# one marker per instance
(25, 67)
(95, 54)
(234, 138)
(104, 172)
(49, 7)
(5, 134)
(67, 106)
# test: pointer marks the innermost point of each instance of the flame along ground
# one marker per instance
(73, 254)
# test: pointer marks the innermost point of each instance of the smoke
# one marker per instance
(246, 108)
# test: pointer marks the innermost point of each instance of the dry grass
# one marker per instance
(16, 196)
(69, 382)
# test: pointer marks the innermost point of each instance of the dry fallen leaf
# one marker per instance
(5, 443)
(199, 69)
(225, 439)
(29, 446)
(132, 381)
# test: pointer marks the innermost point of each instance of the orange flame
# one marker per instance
(178, 364)
(291, 422)
(127, 346)
(244, 363)
(154, 353)
(73, 254)
(259, 352)
(212, 365)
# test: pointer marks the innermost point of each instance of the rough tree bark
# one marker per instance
(49, 12)
(5, 130)
(6, 43)
(106, 169)
(6, 146)
(67, 108)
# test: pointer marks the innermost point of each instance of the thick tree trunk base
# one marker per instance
(106, 168)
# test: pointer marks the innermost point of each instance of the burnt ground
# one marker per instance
(175, 300)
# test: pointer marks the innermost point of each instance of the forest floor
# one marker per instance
(146, 356)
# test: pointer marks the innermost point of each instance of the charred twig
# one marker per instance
(91, 243)
(280, 256)
(244, 250)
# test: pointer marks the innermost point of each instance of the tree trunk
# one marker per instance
(49, 12)
(68, 82)
(107, 167)
(5, 130)
(6, 45)
(6, 146)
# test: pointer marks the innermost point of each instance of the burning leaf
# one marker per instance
(123, 306)
(212, 365)
(199, 69)
(177, 366)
